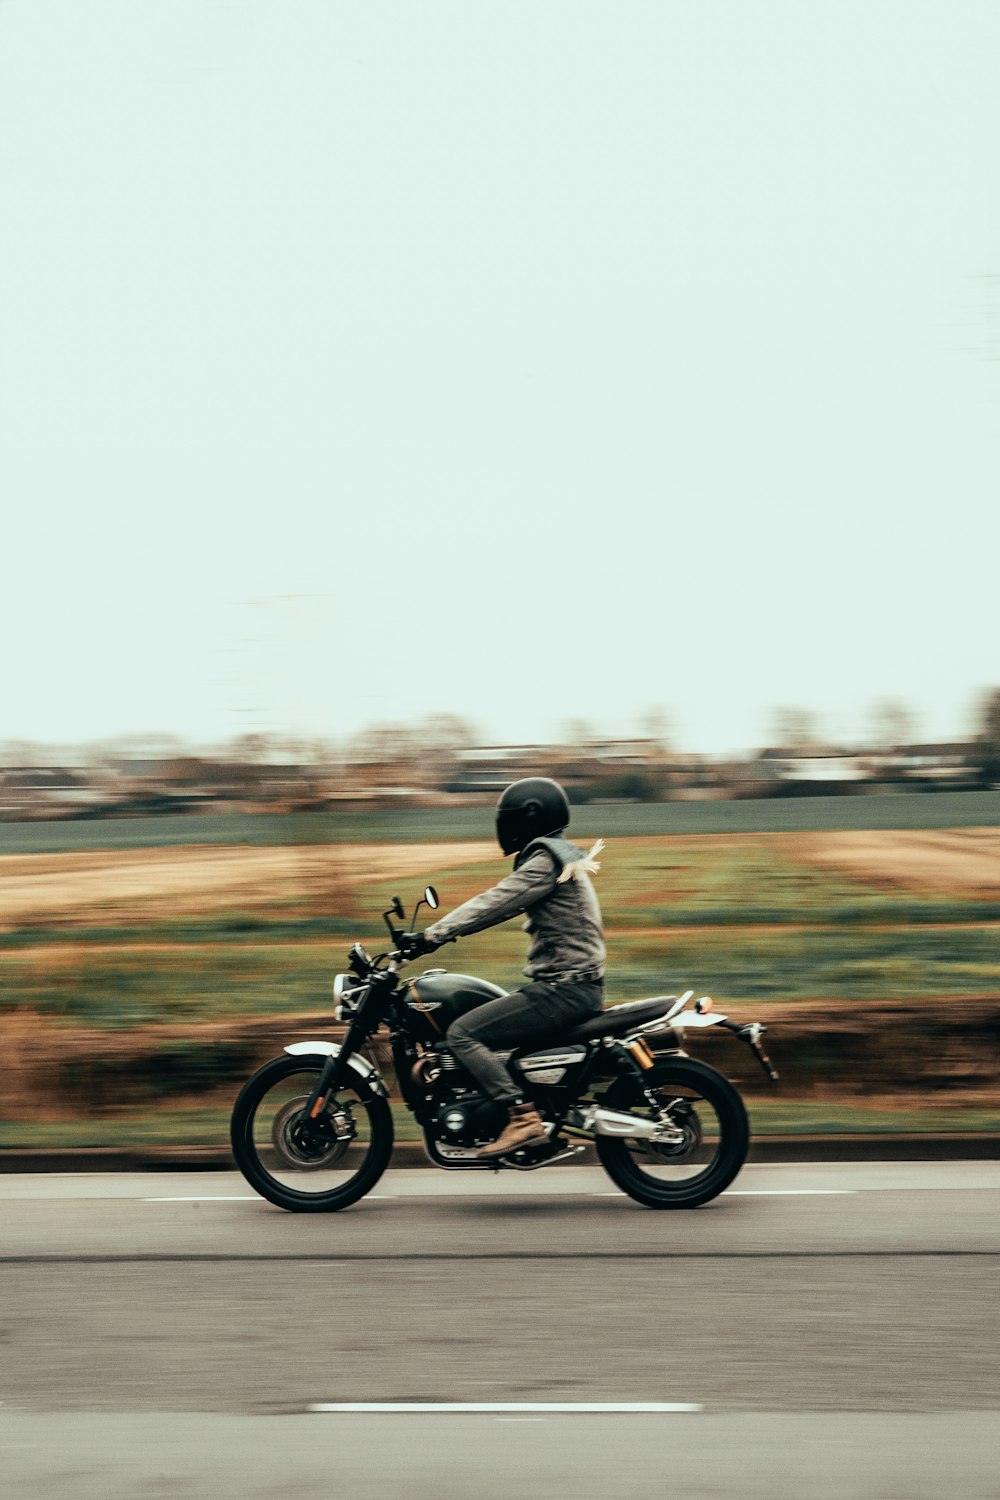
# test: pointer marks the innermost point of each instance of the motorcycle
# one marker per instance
(312, 1130)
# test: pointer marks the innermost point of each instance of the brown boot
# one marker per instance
(524, 1128)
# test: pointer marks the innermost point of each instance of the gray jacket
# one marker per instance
(563, 917)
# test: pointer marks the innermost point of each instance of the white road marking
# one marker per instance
(764, 1193)
(245, 1198)
(418, 1185)
(491, 1407)
(789, 1193)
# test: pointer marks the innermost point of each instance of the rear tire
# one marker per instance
(646, 1172)
(251, 1139)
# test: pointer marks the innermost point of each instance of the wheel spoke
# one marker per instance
(703, 1143)
(693, 1155)
(298, 1161)
(311, 1157)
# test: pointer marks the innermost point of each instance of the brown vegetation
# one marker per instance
(958, 860)
(922, 1050)
(901, 1053)
(188, 880)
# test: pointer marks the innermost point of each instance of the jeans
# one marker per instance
(536, 1013)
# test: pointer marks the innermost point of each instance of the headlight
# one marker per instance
(346, 994)
(340, 986)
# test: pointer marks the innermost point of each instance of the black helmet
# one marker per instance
(528, 810)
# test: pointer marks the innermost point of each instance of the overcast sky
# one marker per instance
(526, 361)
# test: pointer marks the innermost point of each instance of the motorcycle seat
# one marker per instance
(619, 1020)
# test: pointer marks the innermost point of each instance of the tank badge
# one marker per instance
(424, 1006)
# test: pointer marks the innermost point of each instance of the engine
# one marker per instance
(469, 1120)
(457, 1112)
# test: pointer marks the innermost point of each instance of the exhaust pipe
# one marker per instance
(600, 1121)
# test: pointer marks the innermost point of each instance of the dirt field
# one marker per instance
(146, 884)
(186, 881)
(959, 860)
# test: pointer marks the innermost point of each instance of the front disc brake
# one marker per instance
(297, 1142)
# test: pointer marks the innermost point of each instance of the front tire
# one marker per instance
(295, 1172)
(709, 1116)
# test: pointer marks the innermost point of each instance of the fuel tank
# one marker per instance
(437, 998)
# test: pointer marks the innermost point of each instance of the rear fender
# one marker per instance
(750, 1033)
(694, 1018)
(358, 1063)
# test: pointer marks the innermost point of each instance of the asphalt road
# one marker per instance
(834, 1328)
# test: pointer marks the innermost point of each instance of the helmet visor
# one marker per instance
(510, 829)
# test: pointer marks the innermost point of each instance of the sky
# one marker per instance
(530, 362)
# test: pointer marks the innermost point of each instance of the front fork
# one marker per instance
(333, 1072)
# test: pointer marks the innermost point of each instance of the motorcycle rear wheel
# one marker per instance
(306, 1174)
(716, 1136)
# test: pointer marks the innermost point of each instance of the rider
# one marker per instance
(550, 884)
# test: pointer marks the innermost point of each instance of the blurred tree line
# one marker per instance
(442, 757)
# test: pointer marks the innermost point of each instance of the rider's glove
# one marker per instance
(415, 944)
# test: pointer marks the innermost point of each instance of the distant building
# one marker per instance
(484, 770)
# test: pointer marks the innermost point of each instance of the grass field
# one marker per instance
(916, 810)
(743, 918)
(116, 943)
(193, 1126)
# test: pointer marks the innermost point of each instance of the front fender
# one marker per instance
(358, 1062)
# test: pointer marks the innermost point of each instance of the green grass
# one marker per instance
(739, 881)
(193, 1126)
(873, 912)
(733, 917)
(843, 938)
(130, 987)
(235, 929)
(417, 825)
(131, 1129)
(866, 965)
(832, 1117)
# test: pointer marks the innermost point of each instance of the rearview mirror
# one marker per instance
(431, 897)
(397, 906)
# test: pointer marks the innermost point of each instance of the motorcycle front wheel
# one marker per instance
(305, 1166)
(708, 1123)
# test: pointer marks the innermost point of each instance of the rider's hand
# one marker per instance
(415, 944)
